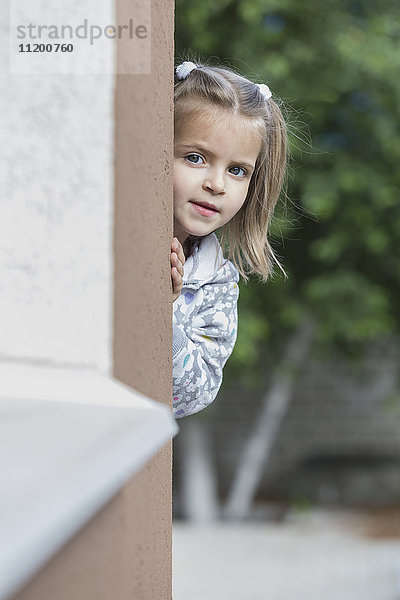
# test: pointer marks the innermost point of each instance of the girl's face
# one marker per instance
(213, 164)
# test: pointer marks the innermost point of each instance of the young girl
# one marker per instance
(229, 166)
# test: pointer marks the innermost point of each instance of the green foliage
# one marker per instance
(336, 64)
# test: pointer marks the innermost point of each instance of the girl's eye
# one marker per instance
(243, 172)
(190, 158)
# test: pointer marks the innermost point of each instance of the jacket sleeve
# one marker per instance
(202, 346)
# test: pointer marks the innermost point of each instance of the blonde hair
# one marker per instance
(245, 236)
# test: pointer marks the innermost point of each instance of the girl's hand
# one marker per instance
(177, 262)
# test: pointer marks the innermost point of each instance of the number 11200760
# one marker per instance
(45, 48)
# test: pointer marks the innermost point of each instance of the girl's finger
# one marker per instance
(177, 276)
(175, 245)
(181, 254)
(179, 266)
(174, 260)
(176, 282)
(178, 248)
(177, 263)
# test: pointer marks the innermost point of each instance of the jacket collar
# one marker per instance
(205, 263)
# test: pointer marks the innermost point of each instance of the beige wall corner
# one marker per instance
(143, 309)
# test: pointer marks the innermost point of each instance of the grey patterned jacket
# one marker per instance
(204, 327)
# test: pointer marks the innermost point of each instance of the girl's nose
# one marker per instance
(215, 184)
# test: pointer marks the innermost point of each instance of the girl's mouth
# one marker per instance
(205, 211)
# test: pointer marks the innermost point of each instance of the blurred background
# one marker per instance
(307, 421)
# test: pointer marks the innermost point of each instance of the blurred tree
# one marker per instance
(335, 63)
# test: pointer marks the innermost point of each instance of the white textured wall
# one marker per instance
(56, 215)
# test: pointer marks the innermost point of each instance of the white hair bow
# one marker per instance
(264, 89)
(184, 69)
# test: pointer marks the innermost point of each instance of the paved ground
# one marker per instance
(322, 556)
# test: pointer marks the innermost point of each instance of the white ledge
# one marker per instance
(69, 440)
